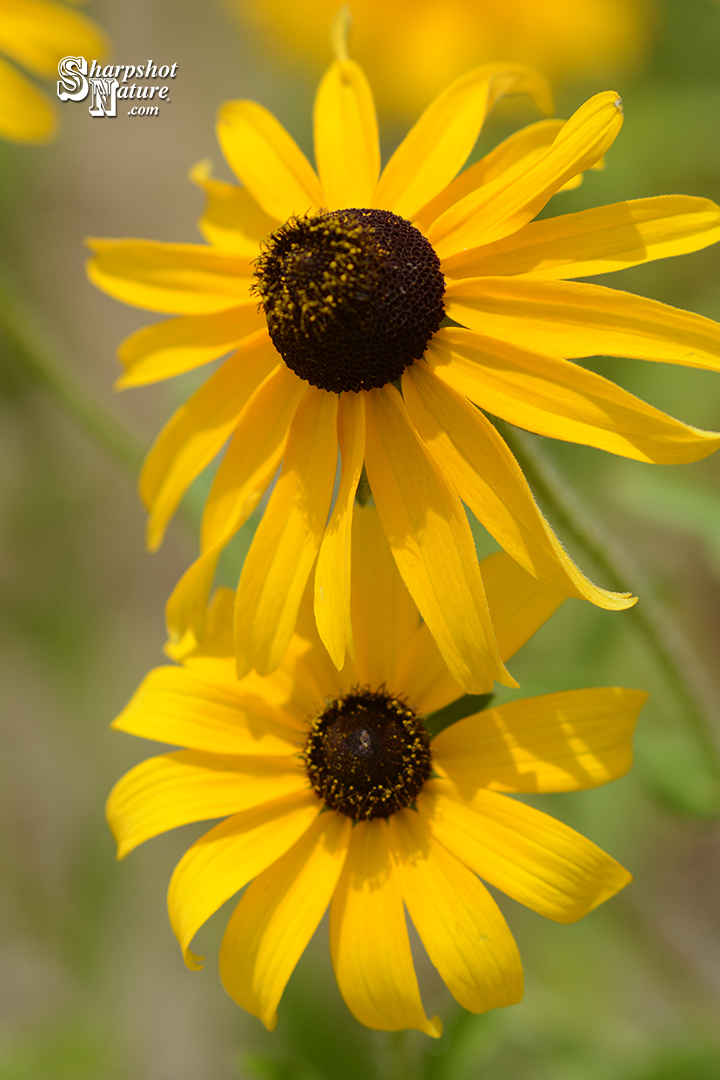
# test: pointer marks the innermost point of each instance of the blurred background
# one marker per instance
(92, 984)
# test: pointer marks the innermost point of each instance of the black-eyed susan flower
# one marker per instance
(333, 288)
(37, 34)
(334, 793)
(411, 49)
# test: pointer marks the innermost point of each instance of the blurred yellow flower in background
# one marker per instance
(37, 34)
(350, 351)
(411, 49)
(337, 796)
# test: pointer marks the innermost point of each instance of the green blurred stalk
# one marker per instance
(42, 360)
(654, 620)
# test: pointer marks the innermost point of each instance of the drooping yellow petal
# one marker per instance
(176, 345)
(530, 856)
(253, 455)
(384, 615)
(347, 148)
(563, 400)
(26, 115)
(568, 741)
(249, 465)
(437, 147)
(198, 431)
(232, 220)
(332, 574)
(369, 941)
(431, 541)
(180, 707)
(267, 160)
(488, 479)
(596, 241)
(225, 859)
(175, 789)
(573, 319)
(39, 33)
(288, 537)
(502, 207)
(507, 156)
(182, 279)
(519, 603)
(277, 916)
(459, 923)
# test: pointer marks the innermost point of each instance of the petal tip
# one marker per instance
(193, 961)
(434, 1028)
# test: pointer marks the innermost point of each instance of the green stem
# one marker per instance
(42, 360)
(653, 619)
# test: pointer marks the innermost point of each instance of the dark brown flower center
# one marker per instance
(368, 755)
(351, 297)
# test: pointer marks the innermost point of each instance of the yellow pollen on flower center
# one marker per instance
(368, 754)
(351, 297)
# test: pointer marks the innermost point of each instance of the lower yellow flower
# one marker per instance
(37, 34)
(333, 793)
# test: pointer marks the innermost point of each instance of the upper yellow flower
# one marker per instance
(411, 49)
(37, 34)
(333, 793)
(349, 351)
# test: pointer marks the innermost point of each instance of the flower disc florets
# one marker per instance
(368, 754)
(351, 297)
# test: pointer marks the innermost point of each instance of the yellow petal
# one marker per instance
(279, 698)
(369, 941)
(572, 319)
(437, 147)
(26, 115)
(530, 856)
(332, 574)
(558, 742)
(512, 153)
(182, 708)
(267, 160)
(277, 916)
(39, 33)
(218, 638)
(288, 537)
(488, 479)
(253, 455)
(503, 206)
(347, 150)
(431, 541)
(247, 468)
(563, 400)
(232, 220)
(183, 279)
(519, 604)
(459, 923)
(225, 859)
(423, 671)
(198, 431)
(175, 789)
(177, 345)
(596, 241)
(384, 615)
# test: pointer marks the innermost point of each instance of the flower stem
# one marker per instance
(33, 352)
(653, 619)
